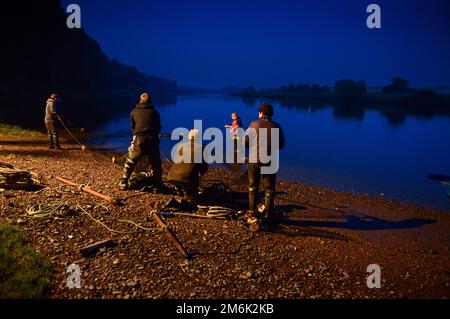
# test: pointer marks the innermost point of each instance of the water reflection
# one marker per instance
(344, 111)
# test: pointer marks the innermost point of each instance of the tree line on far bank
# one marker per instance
(354, 94)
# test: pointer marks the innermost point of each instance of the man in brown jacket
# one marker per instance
(257, 146)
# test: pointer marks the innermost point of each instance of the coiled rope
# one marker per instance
(61, 209)
(213, 212)
(12, 178)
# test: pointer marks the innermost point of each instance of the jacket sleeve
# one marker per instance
(52, 108)
(203, 166)
(57, 108)
(247, 139)
(132, 122)
(282, 140)
(239, 122)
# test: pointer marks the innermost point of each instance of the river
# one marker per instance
(366, 152)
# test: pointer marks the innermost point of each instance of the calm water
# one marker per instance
(365, 153)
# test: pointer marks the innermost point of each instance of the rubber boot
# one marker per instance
(179, 191)
(56, 141)
(127, 170)
(158, 185)
(252, 194)
(190, 194)
(51, 144)
(252, 219)
(269, 199)
(189, 203)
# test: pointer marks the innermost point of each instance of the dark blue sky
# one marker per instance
(269, 43)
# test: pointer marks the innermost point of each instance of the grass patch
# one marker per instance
(24, 274)
(7, 129)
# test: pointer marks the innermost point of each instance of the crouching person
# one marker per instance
(185, 172)
(146, 127)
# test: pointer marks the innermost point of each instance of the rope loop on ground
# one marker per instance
(62, 209)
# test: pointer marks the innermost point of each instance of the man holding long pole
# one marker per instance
(50, 121)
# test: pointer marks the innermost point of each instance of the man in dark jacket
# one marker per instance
(185, 172)
(146, 126)
(51, 117)
(256, 147)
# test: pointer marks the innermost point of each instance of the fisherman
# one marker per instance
(236, 122)
(185, 172)
(146, 127)
(254, 166)
(50, 120)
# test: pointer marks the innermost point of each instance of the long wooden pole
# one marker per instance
(83, 147)
(169, 234)
(84, 188)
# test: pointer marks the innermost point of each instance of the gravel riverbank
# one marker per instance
(322, 249)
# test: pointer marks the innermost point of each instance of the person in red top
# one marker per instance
(237, 122)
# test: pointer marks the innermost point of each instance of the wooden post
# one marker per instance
(169, 234)
(90, 250)
(84, 188)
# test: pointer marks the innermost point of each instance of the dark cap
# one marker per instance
(266, 109)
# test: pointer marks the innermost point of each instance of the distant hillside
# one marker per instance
(40, 54)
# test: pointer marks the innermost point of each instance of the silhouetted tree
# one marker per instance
(349, 89)
(400, 82)
(325, 89)
(249, 91)
(398, 85)
(315, 88)
(425, 102)
(362, 87)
